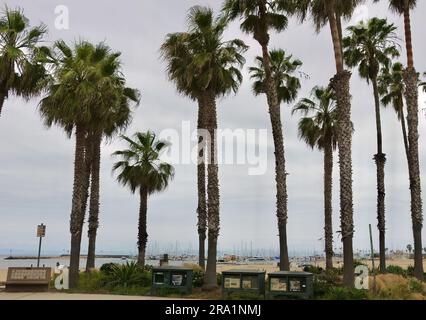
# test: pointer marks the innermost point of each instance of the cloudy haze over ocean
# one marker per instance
(36, 164)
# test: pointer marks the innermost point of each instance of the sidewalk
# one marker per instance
(66, 296)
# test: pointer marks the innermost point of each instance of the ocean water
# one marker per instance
(4, 264)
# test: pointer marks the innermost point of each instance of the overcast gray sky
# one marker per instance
(36, 164)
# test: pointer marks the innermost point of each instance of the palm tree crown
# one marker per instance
(141, 165)
(259, 16)
(283, 69)
(318, 10)
(200, 60)
(321, 125)
(21, 68)
(399, 6)
(392, 87)
(83, 81)
(371, 45)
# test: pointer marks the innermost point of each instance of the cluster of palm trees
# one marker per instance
(85, 93)
(87, 96)
(202, 64)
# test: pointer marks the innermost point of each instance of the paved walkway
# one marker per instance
(66, 296)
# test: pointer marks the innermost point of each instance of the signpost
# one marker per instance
(41, 233)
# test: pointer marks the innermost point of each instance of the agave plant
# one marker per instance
(127, 275)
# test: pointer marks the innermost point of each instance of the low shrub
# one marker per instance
(107, 268)
(410, 271)
(397, 287)
(219, 279)
(148, 268)
(313, 269)
(321, 288)
(197, 276)
(94, 281)
(127, 275)
(396, 270)
(343, 293)
(416, 286)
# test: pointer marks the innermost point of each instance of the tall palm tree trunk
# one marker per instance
(277, 132)
(341, 85)
(94, 201)
(142, 228)
(408, 37)
(411, 95)
(88, 156)
(336, 36)
(280, 164)
(213, 218)
(404, 134)
(77, 217)
(201, 174)
(380, 159)
(280, 173)
(328, 208)
(340, 30)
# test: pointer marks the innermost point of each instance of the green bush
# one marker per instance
(321, 288)
(148, 268)
(127, 275)
(410, 271)
(127, 279)
(396, 270)
(342, 293)
(219, 279)
(416, 286)
(107, 268)
(94, 281)
(198, 278)
(197, 274)
(313, 269)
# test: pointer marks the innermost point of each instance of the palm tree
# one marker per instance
(371, 46)
(176, 52)
(411, 79)
(259, 18)
(391, 89)
(142, 170)
(323, 12)
(320, 131)
(211, 66)
(21, 69)
(115, 118)
(283, 68)
(72, 100)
